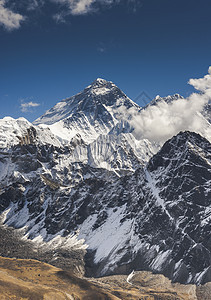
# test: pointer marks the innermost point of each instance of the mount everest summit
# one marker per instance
(90, 175)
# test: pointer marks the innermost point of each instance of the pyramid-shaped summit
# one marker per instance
(91, 112)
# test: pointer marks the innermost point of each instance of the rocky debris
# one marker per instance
(52, 184)
(203, 292)
(160, 284)
(148, 286)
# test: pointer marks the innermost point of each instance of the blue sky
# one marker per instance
(52, 49)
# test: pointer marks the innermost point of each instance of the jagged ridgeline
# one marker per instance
(79, 182)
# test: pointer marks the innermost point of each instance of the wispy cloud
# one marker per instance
(101, 48)
(33, 4)
(106, 46)
(60, 17)
(27, 106)
(78, 7)
(9, 19)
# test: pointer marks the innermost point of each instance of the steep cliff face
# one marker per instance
(181, 171)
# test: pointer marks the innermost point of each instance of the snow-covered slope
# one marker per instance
(167, 99)
(114, 152)
(20, 131)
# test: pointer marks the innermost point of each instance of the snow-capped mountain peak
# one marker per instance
(167, 99)
(22, 132)
(94, 111)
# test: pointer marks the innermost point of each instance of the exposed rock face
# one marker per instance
(181, 171)
(149, 285)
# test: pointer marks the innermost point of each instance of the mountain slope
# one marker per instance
(20, 131)
(135, 221)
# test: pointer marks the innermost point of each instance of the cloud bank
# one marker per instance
(26, 107)
(9, 19)
(164, 120)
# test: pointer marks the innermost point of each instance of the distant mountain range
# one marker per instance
(80, 178)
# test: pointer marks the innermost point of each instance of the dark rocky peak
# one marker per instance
(187, 139)
(186, 145)
(103, 92)
(181, 172)
(182, 169)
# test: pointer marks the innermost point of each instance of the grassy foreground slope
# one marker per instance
(35, 280)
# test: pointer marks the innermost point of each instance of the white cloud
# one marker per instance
(202, 84)
(26, 107)
(101, 48)
(164, 120)
(9, 19)
(82, 6)
(77, 7)
(60, 17)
